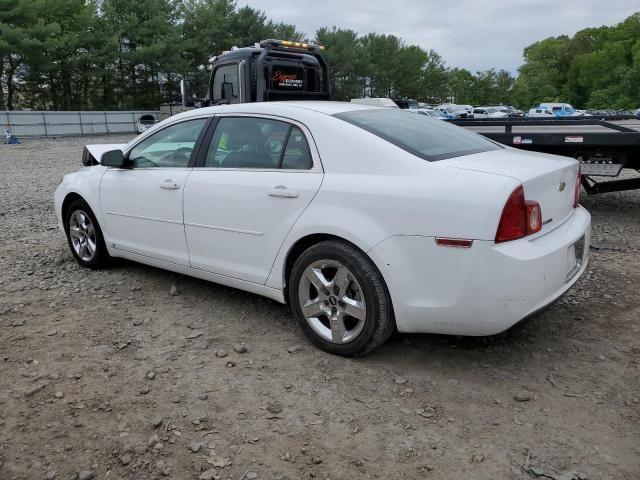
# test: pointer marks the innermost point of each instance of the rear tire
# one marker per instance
(85, 236)
(339, 299)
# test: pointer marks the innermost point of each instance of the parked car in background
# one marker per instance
(601, 112)
(364, 220)
(408, 104)
(145, 122)
(540, 112)
(513, 111)
(376, 102)
(490, 112)
(433, 113)
(458, 111)
(560, 109)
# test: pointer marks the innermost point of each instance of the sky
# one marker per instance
(472, 34)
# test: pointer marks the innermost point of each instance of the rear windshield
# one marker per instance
(420, 135)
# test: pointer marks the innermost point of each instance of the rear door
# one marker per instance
(252, 182)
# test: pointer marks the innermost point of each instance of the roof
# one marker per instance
(275, 108)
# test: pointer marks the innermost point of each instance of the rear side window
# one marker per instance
(258, 143)
(296, 154)
(418, 135)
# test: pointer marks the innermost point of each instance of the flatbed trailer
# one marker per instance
(604, 145)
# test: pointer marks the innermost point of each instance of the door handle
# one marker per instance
(282, 191)
(169, 185)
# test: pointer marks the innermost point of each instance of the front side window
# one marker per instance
(170, 147)
(247, 142)
(225, 82)
(417, 135)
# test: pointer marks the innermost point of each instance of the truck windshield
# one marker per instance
(418, 134)
(225, 82)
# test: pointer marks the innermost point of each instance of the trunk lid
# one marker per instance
(547, 179)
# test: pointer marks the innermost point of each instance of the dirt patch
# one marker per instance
(107, 375)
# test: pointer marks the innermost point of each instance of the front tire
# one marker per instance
(85, 236)
(339, 299)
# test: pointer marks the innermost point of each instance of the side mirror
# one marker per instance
(112, 158)
(187, 93)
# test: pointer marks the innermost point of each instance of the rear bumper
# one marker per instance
(482, 290)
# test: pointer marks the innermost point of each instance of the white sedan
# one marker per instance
(365, 220)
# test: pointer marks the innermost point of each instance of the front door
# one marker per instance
(258, 177)
(142, 204)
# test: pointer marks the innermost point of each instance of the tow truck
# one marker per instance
(267, 71)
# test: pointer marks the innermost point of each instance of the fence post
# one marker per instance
(80, 118)
(44, 123)
(106, 122)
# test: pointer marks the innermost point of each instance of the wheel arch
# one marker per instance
(306, 242)
(300, 246)
(66, 203)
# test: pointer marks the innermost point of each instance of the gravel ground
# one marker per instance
(106, 375)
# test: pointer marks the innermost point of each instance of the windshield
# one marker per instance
(418, 135)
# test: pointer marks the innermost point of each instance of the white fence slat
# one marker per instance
(44, 123)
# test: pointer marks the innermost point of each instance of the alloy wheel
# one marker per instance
(332, 301)
(83, 235)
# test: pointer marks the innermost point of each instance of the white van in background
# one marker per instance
(540, 112)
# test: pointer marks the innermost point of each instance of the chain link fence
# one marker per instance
(54, 124)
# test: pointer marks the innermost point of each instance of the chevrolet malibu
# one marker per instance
(365, 220)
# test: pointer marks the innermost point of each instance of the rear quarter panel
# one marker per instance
(373, 190)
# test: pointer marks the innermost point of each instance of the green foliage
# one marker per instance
(596, 68)
(384, 66)
(122, 54)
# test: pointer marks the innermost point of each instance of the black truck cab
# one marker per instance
(268, 71)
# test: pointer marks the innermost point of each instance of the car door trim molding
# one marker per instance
(224, 229)
(142, 217)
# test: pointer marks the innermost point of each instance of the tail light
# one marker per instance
(519, 218)
(576, 195)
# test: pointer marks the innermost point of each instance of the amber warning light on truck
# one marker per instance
(290, 44)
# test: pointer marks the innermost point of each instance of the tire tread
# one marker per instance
(383, 316)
